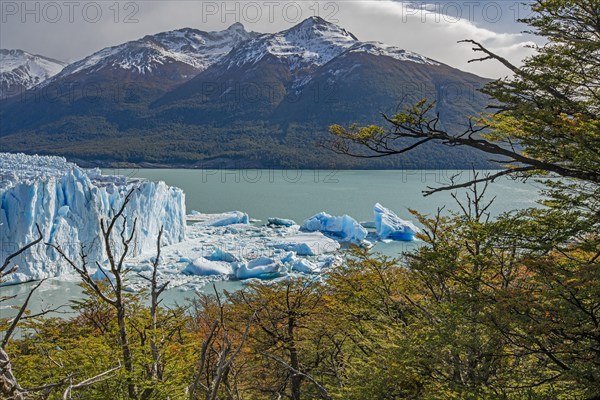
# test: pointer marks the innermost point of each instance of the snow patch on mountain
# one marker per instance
(313, 42)
(20, 70)
(190, 47)
(381, 49)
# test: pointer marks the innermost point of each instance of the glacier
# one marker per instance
(68, 202)
(389, 226)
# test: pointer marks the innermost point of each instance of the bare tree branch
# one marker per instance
(487, 178)
(90, 381)
(16, 319)
(3, 270)
(324, 393)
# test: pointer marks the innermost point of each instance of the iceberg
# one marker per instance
(261, 267)
(230, 218)
(281, 222)
(222, 255)
(329, 261)
(68, 202)
(344, 228)
(289, 258)
(204, 267)
(306, 244)
(389, 226)
(305, 266)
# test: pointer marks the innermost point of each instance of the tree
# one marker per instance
(526, 284)
(113, 293)
(545, 117)
(8, 383)
(288, 336)
(9, 387)
(215, 366)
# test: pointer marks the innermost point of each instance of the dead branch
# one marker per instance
(3, 270)
(324, 393)
(19, 315)
(90, 381)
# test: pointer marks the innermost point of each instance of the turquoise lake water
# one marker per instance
(298, 195)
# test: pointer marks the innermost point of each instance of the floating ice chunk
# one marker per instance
(203, 267)
(289, 258)
(281, 222)
(222, 255)
(261, 267)
(306, 244)
(344, 228)
(218, 219)
(305, 266)
(242, 228)
(390, 226)
(230, 218)
(368, 224)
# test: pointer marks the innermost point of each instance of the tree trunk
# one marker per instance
(296, 379)
(9, 388)
(127, 357)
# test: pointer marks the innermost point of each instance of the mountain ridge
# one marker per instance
(240, 98)
(21, 70)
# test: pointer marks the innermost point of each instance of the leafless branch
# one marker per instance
(4, 269)
(90, 381)
(19, 315)
(324, 393)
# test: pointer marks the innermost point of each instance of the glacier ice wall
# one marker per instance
(68, 203)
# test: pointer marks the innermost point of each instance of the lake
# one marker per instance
(297, 194)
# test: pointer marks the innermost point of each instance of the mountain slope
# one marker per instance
(171, 56)
(20, 70)
(266, 103)
(116, 83)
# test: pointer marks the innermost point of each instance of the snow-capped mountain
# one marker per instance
(313, 42)
(283, 63)
(20, 70)
(238, 97)
(174, 55)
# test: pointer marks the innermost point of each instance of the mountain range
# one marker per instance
(235, 99)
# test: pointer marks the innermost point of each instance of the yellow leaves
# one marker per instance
(404, 119)
(338, 130)
(371, 131)
(503, 126)
(356, 133)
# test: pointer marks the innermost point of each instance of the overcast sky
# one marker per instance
(70, 30)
